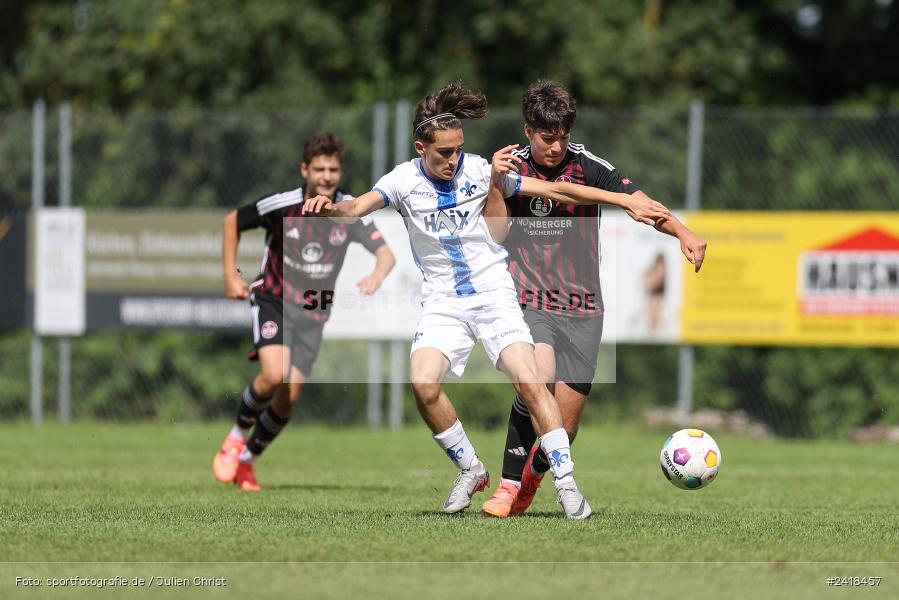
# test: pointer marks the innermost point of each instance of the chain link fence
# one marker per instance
(752, 159)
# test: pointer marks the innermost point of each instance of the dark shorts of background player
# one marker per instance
(271, 327)
(575, 344)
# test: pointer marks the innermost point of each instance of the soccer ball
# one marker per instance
(690, 459)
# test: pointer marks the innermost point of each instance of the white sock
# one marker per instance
(240, 432)
(247, 457)
(457, 446)
(510, 482)
(558, 450)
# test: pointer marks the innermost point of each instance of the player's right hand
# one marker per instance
(318, 205)
(236, 288)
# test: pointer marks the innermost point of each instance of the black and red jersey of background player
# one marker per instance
(303, 254)
(553, 246)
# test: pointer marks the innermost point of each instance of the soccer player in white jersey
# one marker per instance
(467, 292)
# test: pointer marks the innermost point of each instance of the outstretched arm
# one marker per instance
(640, 208)
(235, 287)
(692, 246)
(347, 211)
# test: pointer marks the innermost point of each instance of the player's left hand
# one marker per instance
(318, 205)
(643, 209)
(368, 285)
(693, 248)
(503, 163)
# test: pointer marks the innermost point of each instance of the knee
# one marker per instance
(530, 391)
(268, 382)
(426, 393)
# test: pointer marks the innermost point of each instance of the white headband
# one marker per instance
(434, 118)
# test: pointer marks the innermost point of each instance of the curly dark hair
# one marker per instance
(548, 105)
(455, 99)
(320, 144)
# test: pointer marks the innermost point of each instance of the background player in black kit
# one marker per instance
(554, 261)
(303, 257)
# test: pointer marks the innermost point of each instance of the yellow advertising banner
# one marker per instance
(794, 278)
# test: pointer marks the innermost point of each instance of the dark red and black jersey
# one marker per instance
(303, 254)
(554, 247)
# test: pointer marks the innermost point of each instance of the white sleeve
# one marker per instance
(511, 184)
(389, 188)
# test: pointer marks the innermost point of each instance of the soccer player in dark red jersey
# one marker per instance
(290, 299)
(554, 261)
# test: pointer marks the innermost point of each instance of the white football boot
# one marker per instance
(573, 502)
(467, 483)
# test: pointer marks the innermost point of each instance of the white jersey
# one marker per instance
(450, 240)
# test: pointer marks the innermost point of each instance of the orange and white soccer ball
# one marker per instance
(690, 459)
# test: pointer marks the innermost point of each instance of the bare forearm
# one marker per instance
(571, 193)
(230, 240)
(672, 226)
(384, 262)
(496, 213)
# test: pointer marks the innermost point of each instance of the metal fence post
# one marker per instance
(65, 199)
(379, 142)
(38, 131)
(397, 383)
(401, 132)
(692, 202)
(375, 384)
(375, 352)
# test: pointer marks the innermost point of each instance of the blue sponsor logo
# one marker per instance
(455, 454)
(468, 189)
(557, 458)
(417, 336)
(446, 220)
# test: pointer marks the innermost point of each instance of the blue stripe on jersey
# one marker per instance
(446, 199)
(383, 195)
(461, 271)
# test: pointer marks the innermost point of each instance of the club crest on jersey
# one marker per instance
(468, 189)
(312, 252)
(540, 207)
(448, 221)
(337, 237)
(269, 330)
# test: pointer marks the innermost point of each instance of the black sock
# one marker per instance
(250, 407)
(519, 440)
(540, 464)
(267, 428)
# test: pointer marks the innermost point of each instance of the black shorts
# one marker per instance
(304, 335)
(575, 343)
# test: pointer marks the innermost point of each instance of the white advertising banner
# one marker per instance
(390, 313)
(59, 271)
(642, 281)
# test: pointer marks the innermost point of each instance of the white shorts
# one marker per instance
(452, 324)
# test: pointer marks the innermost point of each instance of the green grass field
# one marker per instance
(353, 512)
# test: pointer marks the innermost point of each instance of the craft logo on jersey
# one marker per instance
(338, 234)
(312, 252)
(448, 221)
(855, 276)
(293, 233)
(468, 189)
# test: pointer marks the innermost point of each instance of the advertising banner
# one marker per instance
(795, 278)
